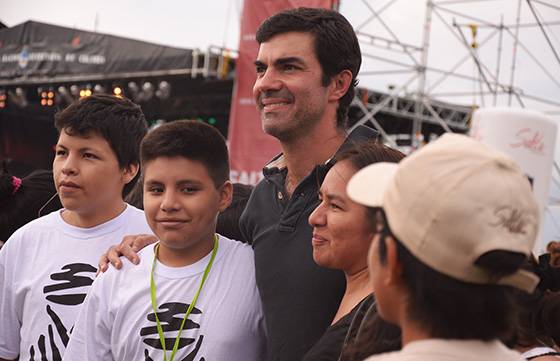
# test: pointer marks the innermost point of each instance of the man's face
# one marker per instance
(288, 91)
(181, 204)
(87, 175)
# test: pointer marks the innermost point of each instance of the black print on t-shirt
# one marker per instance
(57, 330)
(72, 281)
(171, 316)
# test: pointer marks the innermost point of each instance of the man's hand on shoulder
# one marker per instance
(129, 248)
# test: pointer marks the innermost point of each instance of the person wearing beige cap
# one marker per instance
(456, 221)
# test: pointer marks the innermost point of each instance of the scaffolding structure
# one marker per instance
(489, 84)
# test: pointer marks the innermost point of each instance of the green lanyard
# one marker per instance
(191, 306)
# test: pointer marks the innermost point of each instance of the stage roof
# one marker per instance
(33, 52)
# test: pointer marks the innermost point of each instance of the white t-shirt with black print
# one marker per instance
(46, 269)
(117, 321)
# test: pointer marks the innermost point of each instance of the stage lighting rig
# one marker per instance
(3, 98)
(118, 91)
(47, 96)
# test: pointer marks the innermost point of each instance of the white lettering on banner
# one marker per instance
(52, 56)
(43, 56)
(10, 58)
(245, 177)
(91, 59)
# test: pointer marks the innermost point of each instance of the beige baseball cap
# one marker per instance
(453, 201)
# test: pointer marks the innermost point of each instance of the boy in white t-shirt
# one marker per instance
(456, 221)
(47, 266)
(193, 296)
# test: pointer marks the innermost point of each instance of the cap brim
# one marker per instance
(368, 185)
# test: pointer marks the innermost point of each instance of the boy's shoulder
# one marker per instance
(236, 255)
(229, 251)
(129, 270)
(45, 223)
(131, 221)
(146, 256)
(133, 212)
(48, 220)
(235, 247)
(132, 217)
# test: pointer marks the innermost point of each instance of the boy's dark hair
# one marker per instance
(192, 140)
(117, 120)
(451, 309)
(22, 206)
(228, 220)
(336, 45)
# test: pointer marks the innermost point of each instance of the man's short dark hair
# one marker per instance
(118, 120)
(192, 140)
(451, 309)
(336, 45)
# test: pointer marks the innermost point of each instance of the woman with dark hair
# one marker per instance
(22, 200)
(342, 233)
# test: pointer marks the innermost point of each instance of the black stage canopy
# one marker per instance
(33, 52)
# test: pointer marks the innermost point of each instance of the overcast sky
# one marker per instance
(191, 24)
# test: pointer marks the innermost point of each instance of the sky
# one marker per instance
(190, 24)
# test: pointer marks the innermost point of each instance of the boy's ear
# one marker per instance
(129, 172)
(340, 84)
(226, 195)
(394, 267)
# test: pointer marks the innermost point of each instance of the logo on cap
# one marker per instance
(510, 218)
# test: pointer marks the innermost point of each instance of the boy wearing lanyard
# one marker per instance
(194, 295)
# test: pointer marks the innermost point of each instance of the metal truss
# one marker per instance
(429, 104)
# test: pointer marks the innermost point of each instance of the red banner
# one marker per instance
(250, 148)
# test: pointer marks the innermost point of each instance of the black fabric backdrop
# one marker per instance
(34, 49)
